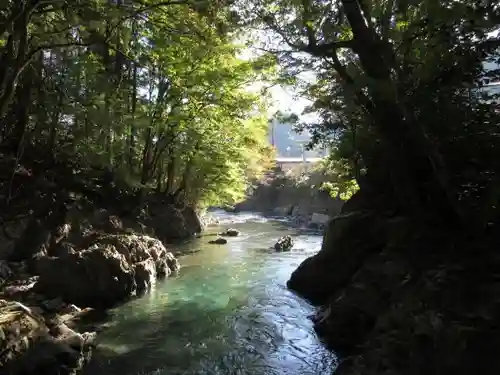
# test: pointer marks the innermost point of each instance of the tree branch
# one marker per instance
(327, 49)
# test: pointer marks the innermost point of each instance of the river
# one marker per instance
(227, 312)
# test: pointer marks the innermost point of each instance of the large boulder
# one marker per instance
(348, 240)
(110, 269)
(193, 221)
(96, 277)
(134, 247)
(139, 248)
(169, 223)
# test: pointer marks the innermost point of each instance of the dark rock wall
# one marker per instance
(398, 296)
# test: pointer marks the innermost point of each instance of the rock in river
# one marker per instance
(231, 233)
(284, 243)
(218, 241)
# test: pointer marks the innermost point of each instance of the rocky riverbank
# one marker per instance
(88, 268)
(399, 297)
(296, 197)
(74, 253)
(37, 338)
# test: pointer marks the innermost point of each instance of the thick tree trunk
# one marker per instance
(186, 177)
(419, 177)
(14, 57)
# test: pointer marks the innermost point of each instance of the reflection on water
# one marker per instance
(227, 312)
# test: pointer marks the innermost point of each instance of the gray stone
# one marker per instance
(218, 241)
(96, 277)
(230, 233)
(284, 243)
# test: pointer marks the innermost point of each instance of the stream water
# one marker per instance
(227, 312)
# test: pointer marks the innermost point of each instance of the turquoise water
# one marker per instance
(227, 312)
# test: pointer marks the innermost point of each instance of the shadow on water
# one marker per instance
(228, 312)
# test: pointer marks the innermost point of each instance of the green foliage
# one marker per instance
(344, 191)
(398, 94)
(154, 91)
(337, 177)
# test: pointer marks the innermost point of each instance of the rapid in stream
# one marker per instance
(227, 312)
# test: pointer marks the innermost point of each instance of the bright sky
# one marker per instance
(285, 99)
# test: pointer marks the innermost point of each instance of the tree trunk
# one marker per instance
(14, 57)
(159, 177)
(133, 130)
(22, 111)
(186, 176)
(419, 177)
(78, 99)
(108, 136)
(55, 124)
(147, 157)
(41, 96)
(171, 169)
